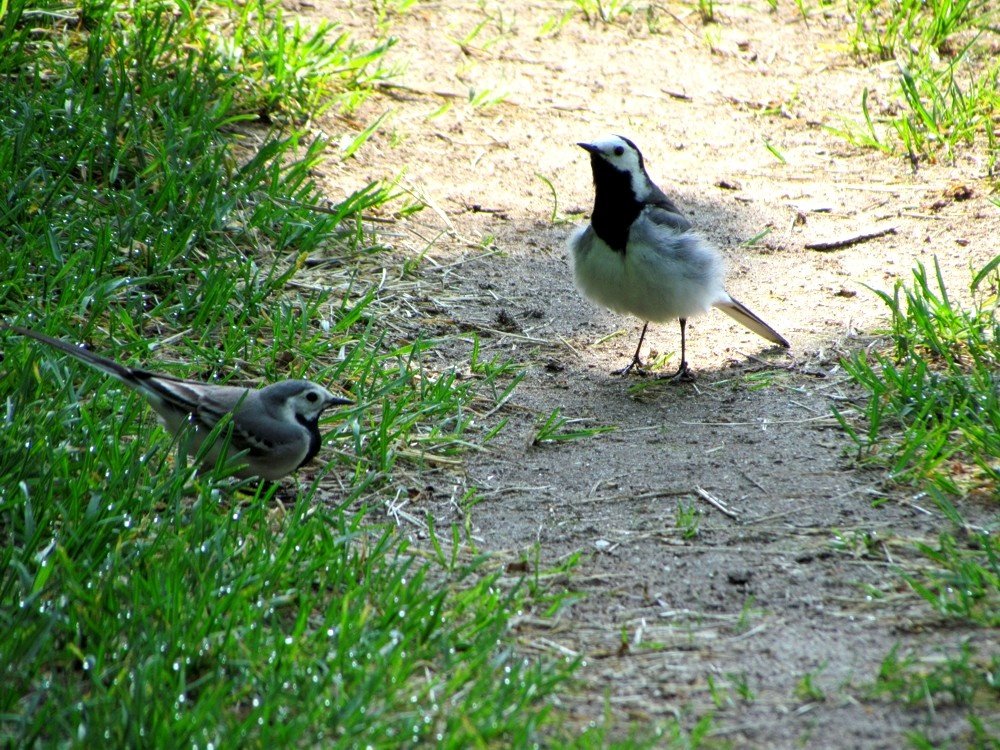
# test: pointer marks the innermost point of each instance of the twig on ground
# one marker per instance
(852, 239)
(394, 508)
(715, 502)
(389, 87)
(767, 422)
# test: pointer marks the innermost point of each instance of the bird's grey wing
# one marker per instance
(254, 429)
(660, 199)
(215, 403)
(667, 217)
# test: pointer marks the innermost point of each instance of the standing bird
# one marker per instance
(277, 425)
(638, 254)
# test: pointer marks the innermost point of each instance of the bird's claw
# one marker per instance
(683, 374)
(634, 366)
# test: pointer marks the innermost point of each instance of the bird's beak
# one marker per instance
(589, 147)
(338, 401)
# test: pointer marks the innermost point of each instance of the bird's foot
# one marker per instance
(634, 366)
(683, 374)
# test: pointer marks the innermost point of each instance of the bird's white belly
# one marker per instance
(644, 282)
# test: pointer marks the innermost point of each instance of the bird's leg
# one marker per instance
(636, 363)
(682, 372)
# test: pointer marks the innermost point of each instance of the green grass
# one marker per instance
(159, 204)
(933, 419)
(961, 579)
(940, 110)
(959, 678)
(947, 96)
(555, 428)
(883, 29)
(933, 410)
(166, 623)
(958, 576)
(605, 11)
(688, 520)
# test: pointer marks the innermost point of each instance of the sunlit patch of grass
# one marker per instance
(933, 418)
(933, 410)
(948, 81)
(884, 28)
(605, 11)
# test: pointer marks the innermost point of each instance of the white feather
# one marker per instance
(678, 276)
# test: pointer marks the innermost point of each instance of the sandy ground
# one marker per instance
(762, 595)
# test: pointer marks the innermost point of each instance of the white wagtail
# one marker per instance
(277, 426)
(639, 255)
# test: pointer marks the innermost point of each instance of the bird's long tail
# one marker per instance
(742, 314)
(126, 374)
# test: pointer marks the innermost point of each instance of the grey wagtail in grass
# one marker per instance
(274, 428)
(639, 255)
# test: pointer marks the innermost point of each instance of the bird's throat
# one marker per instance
(615, 204)
(315, 439)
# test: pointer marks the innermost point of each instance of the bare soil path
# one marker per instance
(753, 609)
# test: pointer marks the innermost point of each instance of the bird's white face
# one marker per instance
(623, 155)
(298, 401)
(312, 400)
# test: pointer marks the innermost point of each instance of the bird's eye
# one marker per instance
(312, 397)
(619, 150)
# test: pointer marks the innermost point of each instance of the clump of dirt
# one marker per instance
(726, 536)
